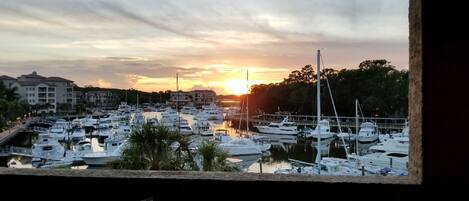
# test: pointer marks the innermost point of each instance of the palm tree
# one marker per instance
(155, 148)
(214, 158)
(11, 95)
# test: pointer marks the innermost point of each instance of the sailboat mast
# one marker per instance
(177, 101)
(356, 126)
(247, 102)
(318, 89)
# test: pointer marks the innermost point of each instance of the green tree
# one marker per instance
(10, 106)
(381, 89)
(213, 157)
(152, 148)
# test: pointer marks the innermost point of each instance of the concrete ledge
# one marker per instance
(192, 175)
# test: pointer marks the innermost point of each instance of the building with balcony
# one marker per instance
(101, 98)
(193, 98)
(47, 93)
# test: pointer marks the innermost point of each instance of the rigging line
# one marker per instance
(335, 111)
(241, 115)
(361, 112)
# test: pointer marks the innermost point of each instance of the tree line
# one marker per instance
(10, 106)
(380, 88)
(130, 95)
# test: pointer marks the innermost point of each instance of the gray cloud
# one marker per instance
(113, 40)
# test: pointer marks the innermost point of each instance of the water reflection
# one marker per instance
(284, 147)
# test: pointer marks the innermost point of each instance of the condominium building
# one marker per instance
(193, 98)
(102, 98)
(47, 92)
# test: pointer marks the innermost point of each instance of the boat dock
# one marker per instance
(15, 130)
(17, 151)
(310, 120)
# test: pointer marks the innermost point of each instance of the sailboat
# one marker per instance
(244, 145)
(327, 165)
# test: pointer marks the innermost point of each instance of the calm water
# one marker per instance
(283, 148)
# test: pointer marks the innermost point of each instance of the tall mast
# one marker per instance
(356, 126)
(247, 102)
(177, 101)
(318, 89)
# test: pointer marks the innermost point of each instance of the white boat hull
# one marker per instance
(366, 139)
(347, 137)
(268, 130)
(321, 136)
(99, 159)
(240, 151)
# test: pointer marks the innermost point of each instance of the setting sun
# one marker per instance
(237, 87)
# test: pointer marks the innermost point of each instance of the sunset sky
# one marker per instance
(141, 44)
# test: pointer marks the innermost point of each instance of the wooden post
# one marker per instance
(363, 170)
(260, 164)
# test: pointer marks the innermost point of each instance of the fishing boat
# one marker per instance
(113, 152)
(46, 148)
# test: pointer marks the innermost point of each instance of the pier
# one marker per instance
(17, 151)
(15, 130)
(310, 120)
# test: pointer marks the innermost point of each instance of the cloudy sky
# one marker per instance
(142, 44)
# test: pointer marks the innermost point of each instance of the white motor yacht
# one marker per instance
(395, 145)
(368, 132)
(124, 108)
(210, 112)
(58, 130)
(327, 166)
(78, 134)
(46, 148)
(103, 133)
(388, 159)
(240, 146)
(187, 109)
(76, 123)
(347, 136)
(79, 150)
(283, 128)
(138, 119)
(324, 131)
(113, 152)
(202, 128)
(184, 127)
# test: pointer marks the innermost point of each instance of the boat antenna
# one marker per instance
(318, 89)
(335, 111)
